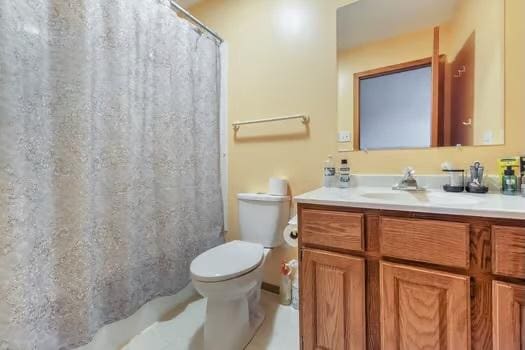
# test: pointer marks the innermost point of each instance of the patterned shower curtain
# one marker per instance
(109, 163)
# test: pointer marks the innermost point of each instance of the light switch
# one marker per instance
(344, 136)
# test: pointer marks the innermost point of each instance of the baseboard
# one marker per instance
(272, 288)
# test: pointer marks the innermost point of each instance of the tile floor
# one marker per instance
(184, 330)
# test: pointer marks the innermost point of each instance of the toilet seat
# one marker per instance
(227, 261)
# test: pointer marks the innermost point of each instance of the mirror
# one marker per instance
(416, 74)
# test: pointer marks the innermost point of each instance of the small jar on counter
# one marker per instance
(509, 182)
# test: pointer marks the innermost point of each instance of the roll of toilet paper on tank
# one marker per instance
(291, 233)
(277, 186)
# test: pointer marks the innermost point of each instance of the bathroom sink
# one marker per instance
(438, 198)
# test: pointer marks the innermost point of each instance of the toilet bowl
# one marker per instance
(230, 275)
(233, 313)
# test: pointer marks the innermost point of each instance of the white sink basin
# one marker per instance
(438, 198)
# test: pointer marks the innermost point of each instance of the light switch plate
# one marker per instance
(344, 136)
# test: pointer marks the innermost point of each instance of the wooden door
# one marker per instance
(423, 309)
(462, 94)
(332, 301)
(508, 316)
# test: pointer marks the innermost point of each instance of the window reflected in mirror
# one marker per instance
(391, 101)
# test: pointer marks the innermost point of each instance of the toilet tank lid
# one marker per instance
(262, 197)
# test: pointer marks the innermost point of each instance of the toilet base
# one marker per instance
(231, 324)
(233, 310)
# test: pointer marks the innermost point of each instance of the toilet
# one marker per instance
(230, 275)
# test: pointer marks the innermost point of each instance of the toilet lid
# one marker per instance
(227, 261)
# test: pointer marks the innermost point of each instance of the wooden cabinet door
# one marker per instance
(332, 301)
(423, 309)
(508, 316)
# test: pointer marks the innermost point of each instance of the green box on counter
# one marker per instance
(513, 162)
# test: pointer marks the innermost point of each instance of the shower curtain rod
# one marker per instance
(195, 20)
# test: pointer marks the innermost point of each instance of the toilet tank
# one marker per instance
(263, 217)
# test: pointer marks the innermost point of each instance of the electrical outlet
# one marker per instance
(344, 136)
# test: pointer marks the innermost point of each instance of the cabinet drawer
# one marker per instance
(332, 229)
(431, 241)
(508, 251)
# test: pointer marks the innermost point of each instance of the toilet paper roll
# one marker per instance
(291, 235)
(277, 186)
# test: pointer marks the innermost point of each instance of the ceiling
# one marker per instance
(365, 21)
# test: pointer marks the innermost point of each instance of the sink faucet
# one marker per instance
(408, 182)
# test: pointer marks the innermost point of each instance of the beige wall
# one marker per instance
(382, 53)
(282, 60)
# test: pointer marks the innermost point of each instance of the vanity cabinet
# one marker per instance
(382, 279)
(423, 309)
(431, 241)
(333, 300)
(508, 302)
(509, 251)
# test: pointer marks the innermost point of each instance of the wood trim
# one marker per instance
(435, 90)
(395, 68)
(481, 314)
(377, 72)
(357, 114)
(272, 288)
(373, 305)
(480, 248)
(441, 100)
(299, 270)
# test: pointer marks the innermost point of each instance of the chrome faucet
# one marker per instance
(408, 182)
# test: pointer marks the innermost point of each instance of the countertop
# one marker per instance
(494, 205)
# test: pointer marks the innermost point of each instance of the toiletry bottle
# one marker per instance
(285, 290)
(295, 291)
(344, 174)
(523, 185)
(510, 182)
(293, 264)
(329, 172)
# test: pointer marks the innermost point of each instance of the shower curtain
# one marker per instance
(109, 163)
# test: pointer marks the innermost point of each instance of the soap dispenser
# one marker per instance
(510, 182)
